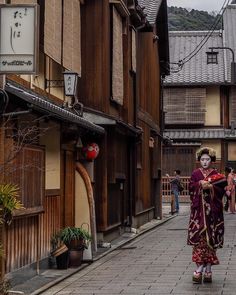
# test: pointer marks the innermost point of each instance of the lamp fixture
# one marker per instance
(70, 83)
(212, 59)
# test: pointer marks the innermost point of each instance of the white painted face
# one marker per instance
(205, 161)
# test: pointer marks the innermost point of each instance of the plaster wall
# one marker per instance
(212, 107)
(51, 140)
(82, 210)
(232, 151)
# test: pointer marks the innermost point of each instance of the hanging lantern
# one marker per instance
(91, 151)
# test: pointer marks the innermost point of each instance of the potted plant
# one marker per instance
(76, 239)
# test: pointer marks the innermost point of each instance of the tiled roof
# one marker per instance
(190, 134)
(42, 104)
(229, 21)
(196, 71)
(197, 134)
(151, 9)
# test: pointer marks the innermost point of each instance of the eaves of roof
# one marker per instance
(151, 9)
(199, 84)
(190, 134)
(43, 105)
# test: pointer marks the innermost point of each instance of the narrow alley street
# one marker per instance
(157, 262)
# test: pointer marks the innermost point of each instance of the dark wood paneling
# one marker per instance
(100, 186)
(95, 81)
(50, 222)
(69, 188)
(22, 243)
(182, 158)
(143, 199)
(148, 75)
(28, 238)
(118, 190)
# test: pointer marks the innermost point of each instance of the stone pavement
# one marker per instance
(29, 283)
(156, 262)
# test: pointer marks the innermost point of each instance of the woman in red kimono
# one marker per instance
(206, 224)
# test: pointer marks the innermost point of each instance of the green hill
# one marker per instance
(181, 19)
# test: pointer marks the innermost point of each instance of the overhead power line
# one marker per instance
(194, 52)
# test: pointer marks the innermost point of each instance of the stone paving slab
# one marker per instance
(156, 262)
(160, 263)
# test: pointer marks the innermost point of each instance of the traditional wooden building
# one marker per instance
(120, 51)
(122, 63)
(199, 98)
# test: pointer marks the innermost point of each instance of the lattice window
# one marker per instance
(28, 172)
(185, 105)
(117, 57)
(232, 105)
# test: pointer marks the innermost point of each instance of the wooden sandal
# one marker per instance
(207, 278)
(197, 277)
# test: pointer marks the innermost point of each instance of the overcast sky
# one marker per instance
(208, 5)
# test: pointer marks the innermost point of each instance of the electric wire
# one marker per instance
(209, 33)
(201, 44)
(212, 29)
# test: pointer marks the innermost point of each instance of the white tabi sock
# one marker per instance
(200, 268)
(208, 267)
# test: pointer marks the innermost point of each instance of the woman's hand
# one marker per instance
(228, 193)
(205, 184)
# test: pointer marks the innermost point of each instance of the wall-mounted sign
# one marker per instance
(18, 39)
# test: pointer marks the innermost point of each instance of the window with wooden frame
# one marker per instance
(53, 29)
(62, 41)
(117, 78)
(185, 105)
(133, 50)
(23, 161)
(232, 107)
(27, 171)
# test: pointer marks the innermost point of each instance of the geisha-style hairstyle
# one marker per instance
(207, 151)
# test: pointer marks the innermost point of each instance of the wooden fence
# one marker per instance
(166, 189)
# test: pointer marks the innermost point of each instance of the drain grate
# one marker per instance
(176, 229)
(127, 248)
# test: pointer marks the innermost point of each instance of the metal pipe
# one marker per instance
(212, 48)
(16, 113)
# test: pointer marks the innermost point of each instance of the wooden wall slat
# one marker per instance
(95, 63)
(148, 75)
(22, 238)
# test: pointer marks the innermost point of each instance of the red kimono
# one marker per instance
(206, 224)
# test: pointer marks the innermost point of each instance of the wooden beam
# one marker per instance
(121, 7)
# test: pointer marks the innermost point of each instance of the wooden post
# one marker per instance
(172, 203)
(2, 232)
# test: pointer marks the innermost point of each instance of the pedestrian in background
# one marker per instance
(206, 224)
(175, 184)
(230, 189)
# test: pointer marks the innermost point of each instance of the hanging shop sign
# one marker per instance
(19, 39)
(91, 151)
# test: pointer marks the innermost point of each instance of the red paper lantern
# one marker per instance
(91, 151)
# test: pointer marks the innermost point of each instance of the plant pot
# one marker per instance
(63, 260)
(75, 258)
(76, 244)
(62, 249)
